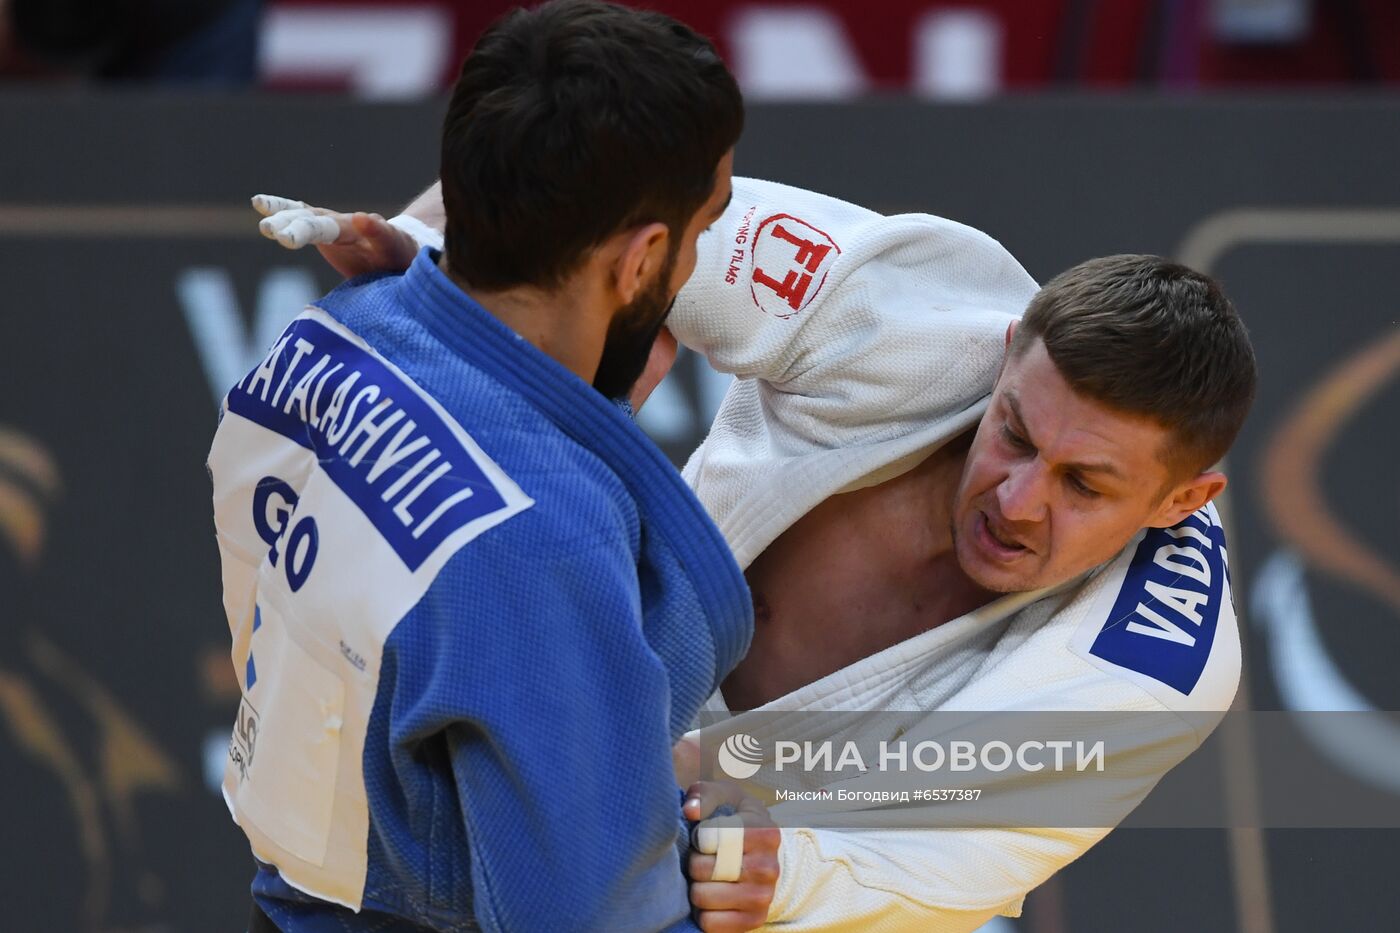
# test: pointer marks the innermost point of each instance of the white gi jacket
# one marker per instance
(862, 343)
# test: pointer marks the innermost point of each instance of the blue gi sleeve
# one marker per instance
(555, 709)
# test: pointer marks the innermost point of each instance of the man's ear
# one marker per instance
(640, 260)
(1188, 497)
(1010, 333)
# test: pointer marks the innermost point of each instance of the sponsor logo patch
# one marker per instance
(244, 743)
(791, 260)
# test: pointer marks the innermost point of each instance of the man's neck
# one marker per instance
(565, 324)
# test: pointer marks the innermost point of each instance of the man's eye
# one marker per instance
(1078, 486)
(1014, 439)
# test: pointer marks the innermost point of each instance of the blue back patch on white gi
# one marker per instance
(377, 436)
(1163, 620)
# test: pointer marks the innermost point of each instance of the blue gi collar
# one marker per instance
(583, 414)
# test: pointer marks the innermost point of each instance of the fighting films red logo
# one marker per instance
(791, 259)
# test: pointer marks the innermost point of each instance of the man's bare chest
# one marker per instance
(860, 573)
(804, 633)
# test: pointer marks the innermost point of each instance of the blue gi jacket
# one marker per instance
(472, 608)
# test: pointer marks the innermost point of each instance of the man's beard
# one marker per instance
(630, 336)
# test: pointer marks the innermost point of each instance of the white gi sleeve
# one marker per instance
(880, 872)
(903, 881)
(789, 282)
(884, 870)
(859, 341)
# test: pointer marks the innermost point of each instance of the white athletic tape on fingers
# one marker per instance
(297, 228)
(722, 837)
(313, 229)
(274, 226)
(269, 204)
(729, 860)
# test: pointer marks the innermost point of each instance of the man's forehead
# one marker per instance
(1082, 434)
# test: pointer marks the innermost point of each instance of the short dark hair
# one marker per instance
(1148, 336)
(572, 121)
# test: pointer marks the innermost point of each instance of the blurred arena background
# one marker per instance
(1255, 139)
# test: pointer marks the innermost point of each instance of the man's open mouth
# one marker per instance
(999, 544)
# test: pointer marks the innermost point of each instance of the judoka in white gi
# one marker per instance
(929, 521)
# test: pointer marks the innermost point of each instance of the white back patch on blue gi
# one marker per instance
(388, 446)
(341, 489)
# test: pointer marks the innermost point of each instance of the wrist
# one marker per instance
(422, 234)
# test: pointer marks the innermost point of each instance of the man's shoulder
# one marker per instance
(426, 450)
(1161, 616)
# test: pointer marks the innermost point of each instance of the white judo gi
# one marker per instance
(862, 343)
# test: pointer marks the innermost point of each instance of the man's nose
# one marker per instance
(1021, 496)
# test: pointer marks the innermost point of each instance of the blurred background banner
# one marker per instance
(1259, 143)
(779, 49)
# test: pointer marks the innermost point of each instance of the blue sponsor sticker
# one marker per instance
(1163, 621)
(375, 435)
